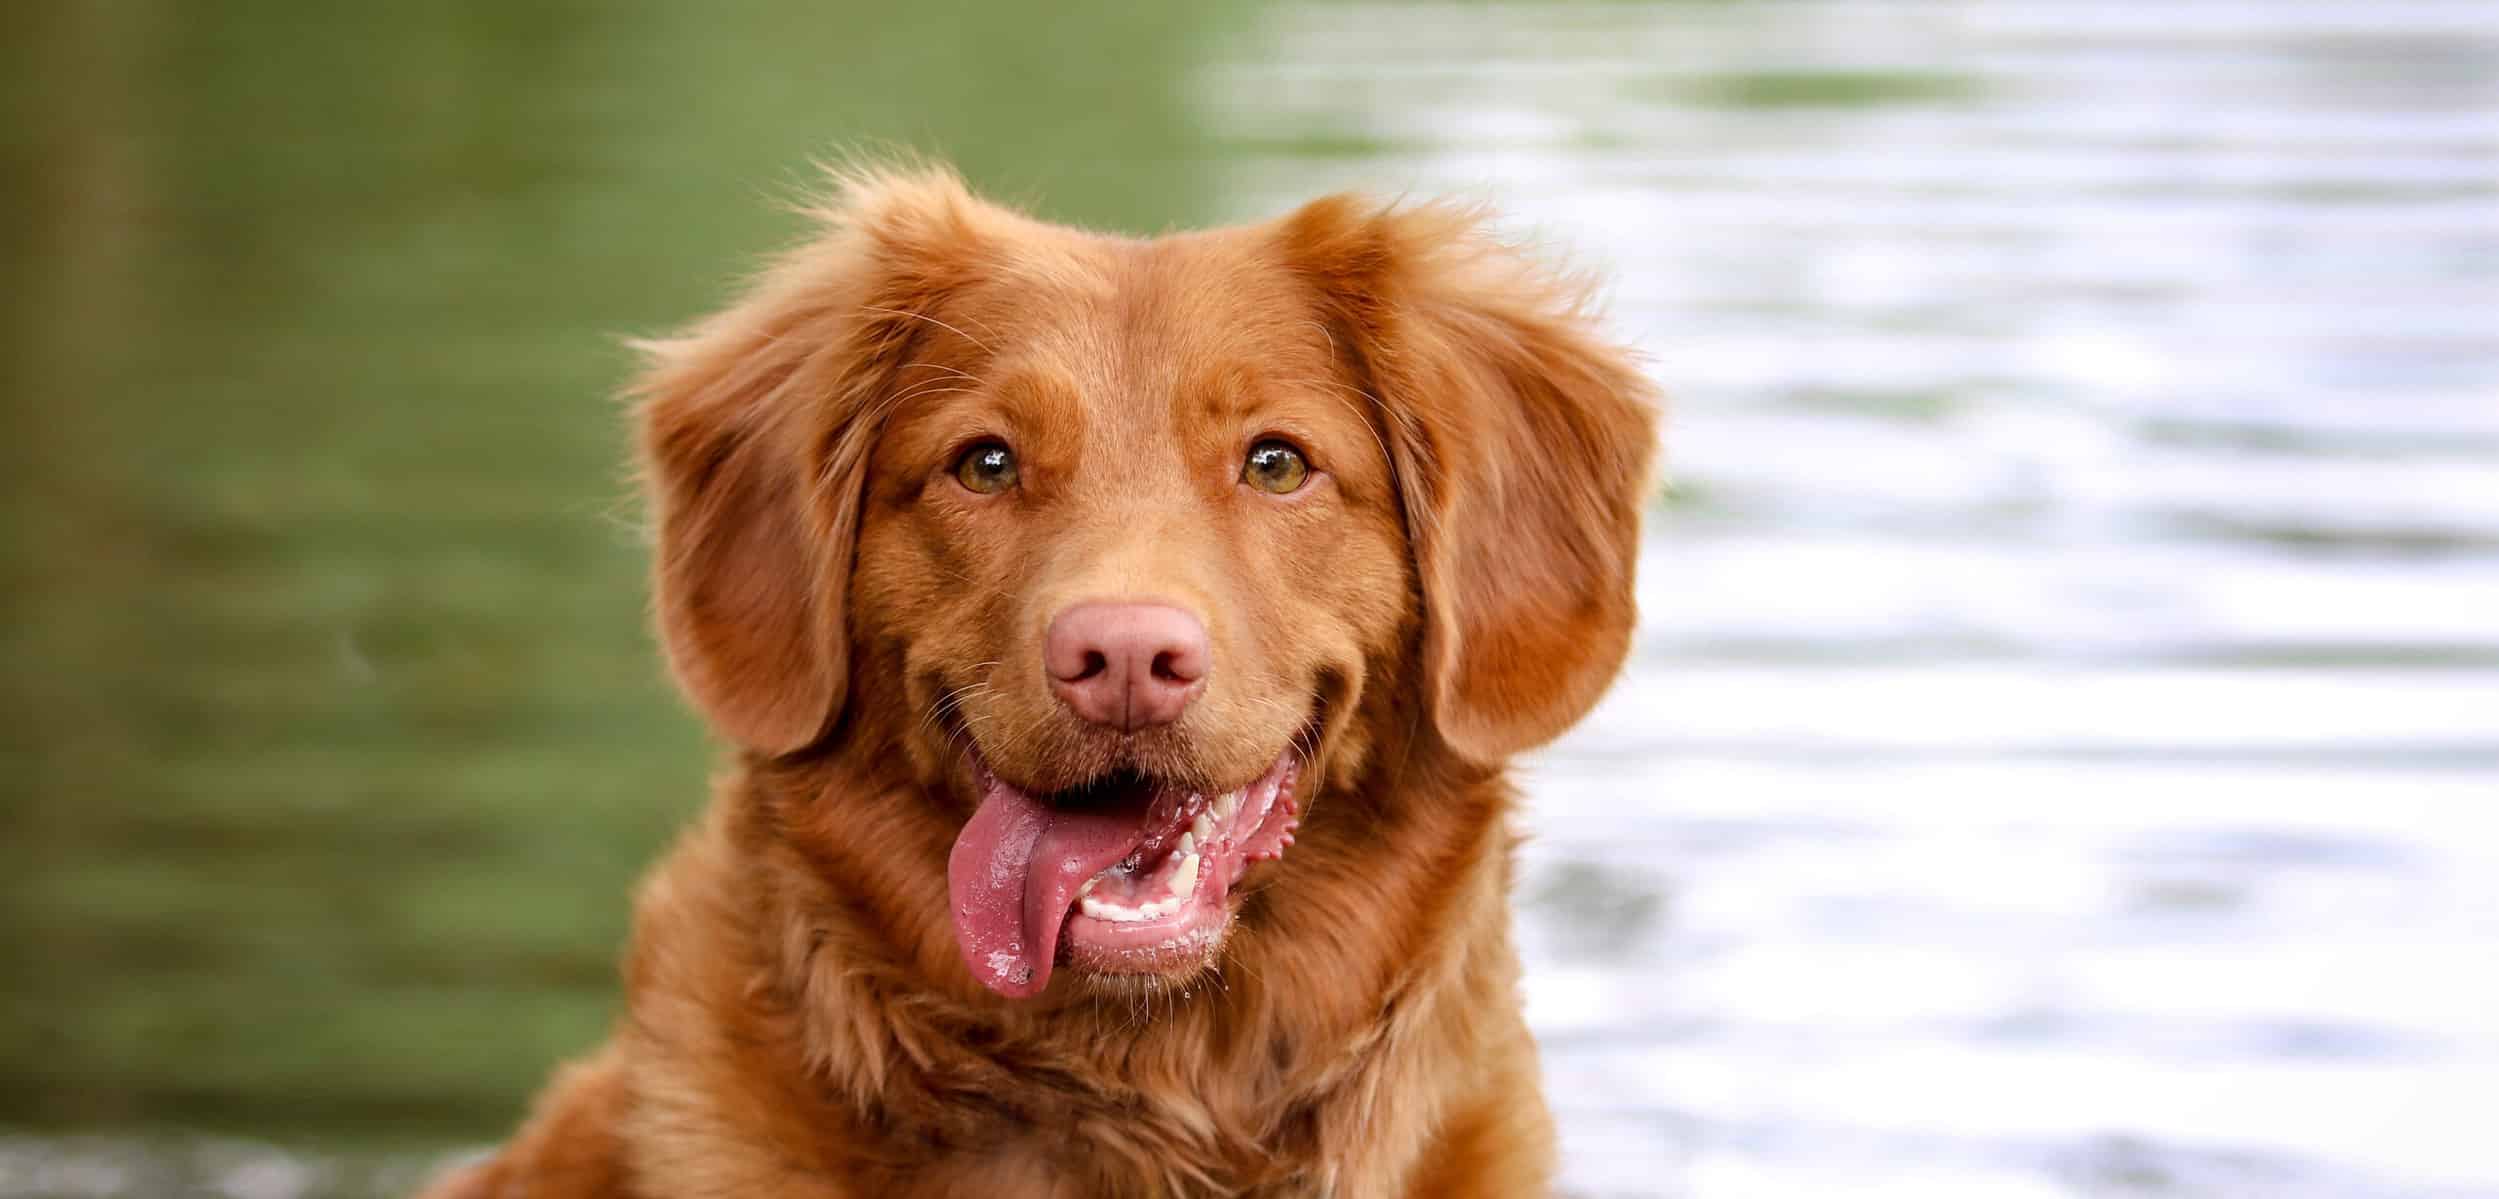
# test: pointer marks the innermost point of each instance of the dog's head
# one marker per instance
(1131, 549)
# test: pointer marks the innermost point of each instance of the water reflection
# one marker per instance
(2061, 720)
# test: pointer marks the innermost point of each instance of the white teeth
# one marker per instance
(1120, 914)
(1183, 884)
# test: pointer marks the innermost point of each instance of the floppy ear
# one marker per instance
(1522, 444)
(755, 430)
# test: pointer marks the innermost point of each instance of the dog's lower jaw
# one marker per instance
(1138, 882)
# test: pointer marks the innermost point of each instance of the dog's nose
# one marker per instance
(1129, 666)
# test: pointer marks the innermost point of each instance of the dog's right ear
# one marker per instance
(756, 426)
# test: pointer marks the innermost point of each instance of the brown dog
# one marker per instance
(1123, 641)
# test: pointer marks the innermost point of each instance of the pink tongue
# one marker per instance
(1013, 874)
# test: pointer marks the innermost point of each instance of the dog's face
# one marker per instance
(1130, 540)
(1126, 547)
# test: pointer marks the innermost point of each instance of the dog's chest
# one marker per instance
(1100, 1148)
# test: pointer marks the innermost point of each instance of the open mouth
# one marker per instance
(1123, 875)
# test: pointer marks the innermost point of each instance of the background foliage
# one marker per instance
(334, 738)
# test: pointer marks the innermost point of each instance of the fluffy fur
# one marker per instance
(1454, 586)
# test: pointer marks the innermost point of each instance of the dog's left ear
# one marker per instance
(1522, 443)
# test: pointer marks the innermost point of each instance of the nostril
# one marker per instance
(1094, 664)
(1167, 669)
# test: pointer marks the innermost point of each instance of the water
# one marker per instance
(2061, 752)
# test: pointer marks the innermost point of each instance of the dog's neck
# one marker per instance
(1361, 949)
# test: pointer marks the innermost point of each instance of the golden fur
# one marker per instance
(799, 1022)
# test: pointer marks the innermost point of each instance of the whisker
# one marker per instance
(921, 316)
(1365, 417)
(951, 372)
(936, 708)
(984, 325)
(934, 390)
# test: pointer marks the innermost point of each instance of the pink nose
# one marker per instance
(1129, 666)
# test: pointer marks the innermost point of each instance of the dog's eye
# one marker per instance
(1275, 467)
(987, 468)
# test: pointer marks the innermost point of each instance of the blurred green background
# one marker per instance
(334, 735)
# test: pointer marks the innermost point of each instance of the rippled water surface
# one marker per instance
(2062, 749)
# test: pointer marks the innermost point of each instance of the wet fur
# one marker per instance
(798, 1022)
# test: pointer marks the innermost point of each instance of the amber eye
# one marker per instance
(1275, 467)
(987, 468)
